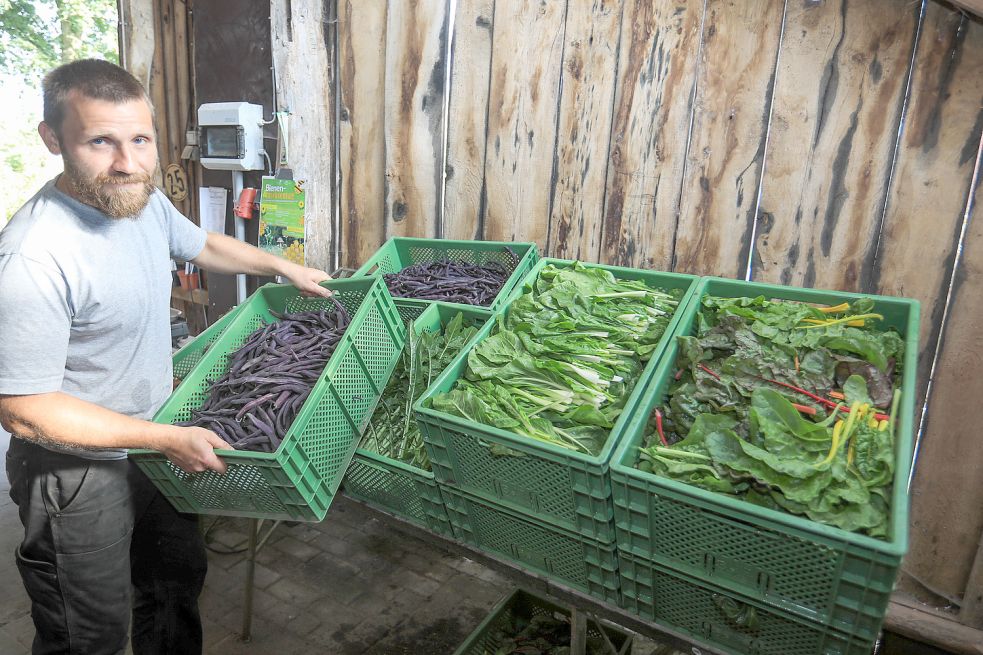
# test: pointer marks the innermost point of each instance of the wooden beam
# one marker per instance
(587, 80)
(138, 37)
(416, 39)
(361, 127)
(651, 117)
(734, 83)
(467, 119)
(931, 627)
(196, 296)
(838, 99)
(971, 612)
(522, 109)
(303, 55)
(972, 6)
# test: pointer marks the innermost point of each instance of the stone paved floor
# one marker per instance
(350, 585)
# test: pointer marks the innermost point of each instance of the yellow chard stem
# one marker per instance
(837, 431)
(837, 321)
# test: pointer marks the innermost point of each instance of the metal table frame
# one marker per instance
(582, 605)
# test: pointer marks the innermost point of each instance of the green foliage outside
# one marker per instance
(36, 36)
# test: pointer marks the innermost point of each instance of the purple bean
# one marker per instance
(270, 377)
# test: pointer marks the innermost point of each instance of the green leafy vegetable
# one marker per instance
(540, 634)
(393, 430)
(776, 402)
(560, 367)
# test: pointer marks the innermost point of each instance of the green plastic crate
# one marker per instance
(299, 480)
(562, 555)
(191, 353)
(817, 571)
(726, 620)
(395, 486)
(401, 252)
(556, 485)
(521, 604)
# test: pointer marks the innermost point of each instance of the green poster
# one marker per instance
(281, 218)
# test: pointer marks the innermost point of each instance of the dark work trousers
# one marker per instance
(91, 528)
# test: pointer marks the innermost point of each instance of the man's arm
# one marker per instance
(60, 418)
(223, 254)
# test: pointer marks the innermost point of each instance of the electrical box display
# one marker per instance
(231, 136)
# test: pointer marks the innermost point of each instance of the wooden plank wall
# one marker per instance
(827, 144)
(155, 46)
(303, 33)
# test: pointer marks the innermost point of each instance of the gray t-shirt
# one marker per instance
(84, 302)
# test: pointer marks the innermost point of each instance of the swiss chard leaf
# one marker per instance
(748, 360)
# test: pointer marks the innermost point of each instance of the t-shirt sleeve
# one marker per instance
(36, 322)
(185, 238)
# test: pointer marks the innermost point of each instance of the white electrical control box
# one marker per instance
(230, 136)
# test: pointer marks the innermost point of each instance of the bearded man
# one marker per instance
(85, 282)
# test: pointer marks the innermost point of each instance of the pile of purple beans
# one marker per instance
(253, 405)
(450, 281)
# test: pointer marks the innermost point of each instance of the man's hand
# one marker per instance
(192, 449)
(223, 254)
(308, 281)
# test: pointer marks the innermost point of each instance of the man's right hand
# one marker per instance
(192, 449)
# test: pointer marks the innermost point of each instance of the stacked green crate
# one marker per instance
(682, 547)
(588, 565)
(299, 480)
(525, 499)
(395, 486)
(521, 607)
(401, 252)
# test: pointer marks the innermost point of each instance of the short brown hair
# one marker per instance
(93, 78)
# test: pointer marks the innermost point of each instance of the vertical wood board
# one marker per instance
(933, 171)
(839, 93)
(589, 73)
(138, 38)
(361, 72)
(157, 88)
(416, 38)
(734, 87)
(659, 46)
(303, 58)
(522, 112)
(947, 491)
(467, 121)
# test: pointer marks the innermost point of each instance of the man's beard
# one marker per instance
(105, 193)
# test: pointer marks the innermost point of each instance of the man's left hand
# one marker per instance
(308, 281)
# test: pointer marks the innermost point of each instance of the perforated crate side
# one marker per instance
(815, 571)
(524, 605)
(402, 491)
(191, 353)
(410, 310)
(533, 482)
(300, 479)
(246, 490)
(395, 486)
(726, 620)
(377, 486)
(583, 564)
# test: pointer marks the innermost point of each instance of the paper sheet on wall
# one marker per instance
(281, 218)
(212, 201)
